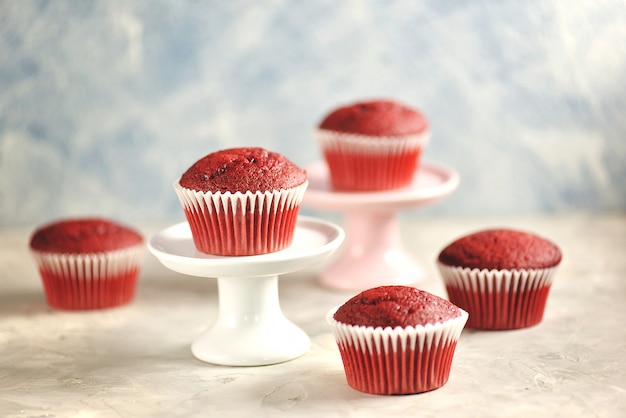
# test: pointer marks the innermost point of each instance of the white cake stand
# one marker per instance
(251, 329)
(373, 254)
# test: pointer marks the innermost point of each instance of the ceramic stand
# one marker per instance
(251, 329)
(374, 254)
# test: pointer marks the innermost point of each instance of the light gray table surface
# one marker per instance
(135, 361)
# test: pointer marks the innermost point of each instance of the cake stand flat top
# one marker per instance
(431, 182)
(313, 240)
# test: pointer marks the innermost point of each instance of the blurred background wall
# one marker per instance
(104, 103)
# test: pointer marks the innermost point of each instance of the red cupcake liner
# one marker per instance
(241, 224)
(397, 361)
(499, 299)
(90, 281)
(363, 163)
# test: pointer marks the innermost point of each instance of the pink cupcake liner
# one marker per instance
(397, 361)
(366, 163)
(499, 299)
(89, 281)
(239, 224)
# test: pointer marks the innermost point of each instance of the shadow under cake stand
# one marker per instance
(251, 329)
(374, 254)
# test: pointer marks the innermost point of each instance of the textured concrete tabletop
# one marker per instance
(135, 361)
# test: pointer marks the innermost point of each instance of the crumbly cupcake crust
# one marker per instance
(242, 169)
(385, 118)
(84, 235)
(393, 306)
(501, 249)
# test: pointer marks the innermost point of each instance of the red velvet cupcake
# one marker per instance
(242, 201)
(372, 145)
(502, 277)
(89, 263)
(396, 340)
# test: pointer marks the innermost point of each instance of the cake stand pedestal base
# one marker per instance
(250, 329)
(373, 254)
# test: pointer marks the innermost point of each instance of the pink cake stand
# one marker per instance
(373, 254)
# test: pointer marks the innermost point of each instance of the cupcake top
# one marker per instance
(501, 249)
(376, 118)
(395, 306)
(86, 235)
(241, 170)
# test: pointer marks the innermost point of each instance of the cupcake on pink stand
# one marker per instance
(372, 145)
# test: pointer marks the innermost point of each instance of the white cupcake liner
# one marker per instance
(370, 163)
(364, 144)
(241, 223)
(398, 360)
(90, 280)
(499, 299)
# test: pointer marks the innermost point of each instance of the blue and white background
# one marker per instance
(104, 103)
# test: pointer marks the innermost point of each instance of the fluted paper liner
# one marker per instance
(397, 361)
(238, 224)
(499, 299)
(370, 163)
(90, 280)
